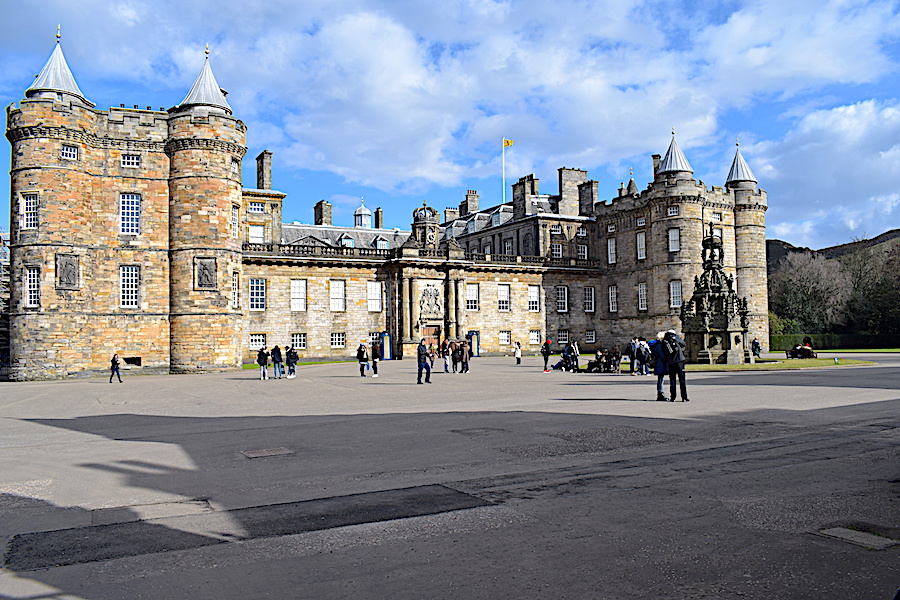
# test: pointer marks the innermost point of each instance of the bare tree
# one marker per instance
(810, 290)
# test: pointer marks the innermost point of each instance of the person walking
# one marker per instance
(631, 353)
(376, 356)
(422, 359)
(673, 347)
(576, 354)
(362, 356)
(454, 355)
(291, 359)
(114, 364)
(465, 354)
(517, 352)
(644, 356)
(445, 354)
(262, 359)
(546, 352)
(756, 348)
(659, 365)
(277, 360)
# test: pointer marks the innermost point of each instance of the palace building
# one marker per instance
(132, 233)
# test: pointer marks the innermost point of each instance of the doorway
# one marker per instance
(432, 335)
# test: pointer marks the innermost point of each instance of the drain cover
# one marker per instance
(266, 452)
(860, 538)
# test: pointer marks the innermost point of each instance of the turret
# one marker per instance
(674, 165)
(750, 204)
(206, 145)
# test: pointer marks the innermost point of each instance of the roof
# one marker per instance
(206, 90)
(674, 160)
(57, 77)
(330, 235)
(740, 170)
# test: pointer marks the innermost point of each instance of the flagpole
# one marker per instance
(503, 160)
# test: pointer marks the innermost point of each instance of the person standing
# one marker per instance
(114, 364)
(362, 356)
(464, 355)
(517, 352)
(545, 352)
(422, 359)
(376, 356)
(756, 348)
(277, 360)
(673, 346)
(262, 359)
(291, 360)
(659, 365)
(454, 355)
(576, 354)
(445, 354)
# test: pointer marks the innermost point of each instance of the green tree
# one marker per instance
(810, 290)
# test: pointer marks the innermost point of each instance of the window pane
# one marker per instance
(505, 338)
(32, 286)
(613, 298)
(674, 240)
(642, 296)
(611, 251)
(257, 294)
(338, 295)
(298, 341)
(675, 293)
(589, 299)
(29, 211)
(298, 294)
(562, 298)
(129, 282)
(534, 336)
(235, 290)
(375, 295)
(130, 214)
(471, 296)
(641, 245)
(257, 234)
(534, 298)
(503, 297)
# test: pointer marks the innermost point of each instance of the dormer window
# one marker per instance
(582, 231)
(611, 228)
(495, 219)
(347, 242)
(381, 244)
(470, 227)
(556, 228)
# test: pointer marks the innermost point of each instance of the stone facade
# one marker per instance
(132, 233)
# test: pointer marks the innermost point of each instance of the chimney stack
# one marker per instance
(264, 170)
(379, 218)
(322, 212)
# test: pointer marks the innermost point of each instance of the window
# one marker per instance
(590, 336)
(562, 337)
(129, 214)
(256, 207)
(69, 152)
(257, 294)
(338, 340)
(671, 211)
(675, 293)
(495, 219)
(487, 249)
(298, 341)
(235, 166)
(381, 244)
(374, 294)
(505, 338)
(642, 296)
(611, 228)
(348, 242)
(717, 232)
(556, 228)
(471, 296)
(257, 234)
(235, 217)
(374, 336)
(613, 298)
(581, 231)
(257, 340)
(556, 250)
(534, 298)
(717, 217)
(131, 160)
(582, 251)
(562, 298)
(235, 290)
(298, 295)
(589, 299)
(674, 240)
(507, 247)
(611, 251)
(470, 226)
(641, 221)
(32, 286)
(534, 336)
(641, 244)
(29, 211)
(129, 284)
(338, 295)
(503, 297)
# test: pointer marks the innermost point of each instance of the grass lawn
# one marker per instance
(793, 363)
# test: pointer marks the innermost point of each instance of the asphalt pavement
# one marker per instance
(504, 482)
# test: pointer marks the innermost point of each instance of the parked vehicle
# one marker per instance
(799, 351)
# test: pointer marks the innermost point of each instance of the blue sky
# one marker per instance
(402, 102)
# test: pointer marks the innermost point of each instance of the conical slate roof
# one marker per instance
(56, 77)
(362, 210)
(740, 170)
(632, 187)
(674, 160)
(206, 90)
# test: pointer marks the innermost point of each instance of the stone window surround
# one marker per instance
(298, 340)
(338, 340)
(472, 296)
(337, 295)
(673, 236)
(298, 294)
(534, 298)
(29, 203)
(131, 161)
(375, 296)
(590, 336)
(68, 152)
(505, 337)
(129, 286)
(32, 286)
(642, 295)
(613, 298)
(504, 295)
(257, 340)
(675, 291)
(641, 245)
(534, 336)
(130, 210)
(257, 295)
(589, 304)
(562, 298)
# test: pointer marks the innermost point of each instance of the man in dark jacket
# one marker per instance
(422, 358)
(658, 359)
(546, 352)
(673, 347)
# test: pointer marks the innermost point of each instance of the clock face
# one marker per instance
(430, 236)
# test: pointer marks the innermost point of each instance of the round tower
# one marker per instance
(50, 225)
(205, 147)
(750, 205)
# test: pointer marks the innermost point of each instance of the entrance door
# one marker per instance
(432, 335)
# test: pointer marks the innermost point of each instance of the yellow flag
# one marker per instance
(507, 143)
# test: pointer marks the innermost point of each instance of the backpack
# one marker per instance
(669, 347)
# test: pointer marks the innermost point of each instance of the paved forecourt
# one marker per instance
(502, 481)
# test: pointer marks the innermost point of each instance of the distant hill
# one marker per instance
(776, 249)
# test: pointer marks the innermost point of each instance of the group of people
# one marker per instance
(279, 359)
(362, 357)
(456, 356)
